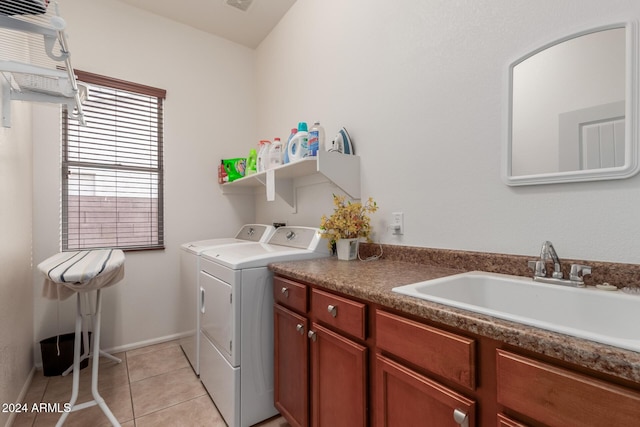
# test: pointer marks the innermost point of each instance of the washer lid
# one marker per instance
(202, 245)
(248, 233)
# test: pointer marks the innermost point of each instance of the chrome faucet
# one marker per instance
(548, 252)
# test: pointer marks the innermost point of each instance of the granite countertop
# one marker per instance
(373, 280)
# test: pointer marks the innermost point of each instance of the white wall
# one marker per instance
(209, 115)
(16, 292)
(421, 88)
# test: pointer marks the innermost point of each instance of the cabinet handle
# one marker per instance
(300, 328)
(333, 310)
(202, 300)
(285, 291)
(312, 335)
(461, 418)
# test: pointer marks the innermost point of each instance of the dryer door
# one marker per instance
(219, 320)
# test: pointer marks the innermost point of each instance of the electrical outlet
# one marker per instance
(397, 223)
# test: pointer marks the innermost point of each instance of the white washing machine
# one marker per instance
(236, 326)
(189, 268)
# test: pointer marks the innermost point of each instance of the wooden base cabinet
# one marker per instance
(320, 374)
(405, 398)
(335, 367)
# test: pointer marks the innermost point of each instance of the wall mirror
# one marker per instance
(573, 109)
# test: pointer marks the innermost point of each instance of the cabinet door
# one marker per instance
(291, 372)
(405, 398)
(339, 380)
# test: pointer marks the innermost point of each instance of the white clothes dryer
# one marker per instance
(236, 326)
(189, 268)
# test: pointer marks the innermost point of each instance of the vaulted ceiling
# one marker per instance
(224, 18)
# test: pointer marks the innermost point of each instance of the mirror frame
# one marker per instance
(632, 150)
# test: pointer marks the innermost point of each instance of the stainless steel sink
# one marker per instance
(608, 317)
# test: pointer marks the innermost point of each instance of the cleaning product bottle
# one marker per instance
(299, 144)
(263, 155)
(316, 139)
(251, 162)
(285, 149)
(275, 153)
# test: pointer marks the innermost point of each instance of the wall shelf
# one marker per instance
(340, 169)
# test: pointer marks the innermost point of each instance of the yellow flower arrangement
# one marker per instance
(348, 221)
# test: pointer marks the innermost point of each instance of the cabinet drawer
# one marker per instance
(341, 313)
(290, 294)
(557, 396)
(443, 353)
(404, 396)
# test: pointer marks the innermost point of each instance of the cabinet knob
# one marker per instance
(333, 310)
(300, 328)
(461, 417)
(312, 335)
(285, 291)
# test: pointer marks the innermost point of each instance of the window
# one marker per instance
(112, 168)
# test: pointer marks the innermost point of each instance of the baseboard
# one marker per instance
(145, 343)
(21, 396)
(139, 344)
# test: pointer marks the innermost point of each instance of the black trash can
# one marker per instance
(54, 364)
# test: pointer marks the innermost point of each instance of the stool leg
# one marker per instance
(85, 334)
(95, 349)
(76, 362)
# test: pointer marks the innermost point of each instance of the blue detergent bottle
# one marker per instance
(285, 159)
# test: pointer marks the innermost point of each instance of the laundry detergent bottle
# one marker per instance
(285, 148)
(263, 155)
(298, 147)
(251, 162)
(275, 154)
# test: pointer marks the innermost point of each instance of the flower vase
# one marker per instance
(347, 249)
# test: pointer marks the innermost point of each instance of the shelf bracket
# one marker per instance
(284, 189)
(343, 170)
(6, 103)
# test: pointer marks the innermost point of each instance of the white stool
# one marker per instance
(82, 272)
(95, 349)
(85, 335)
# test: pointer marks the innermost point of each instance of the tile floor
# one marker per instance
(153, 386)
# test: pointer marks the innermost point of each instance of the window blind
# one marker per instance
(112, 168)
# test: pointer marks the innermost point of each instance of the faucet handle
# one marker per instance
(578, 271)
(538, 268)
